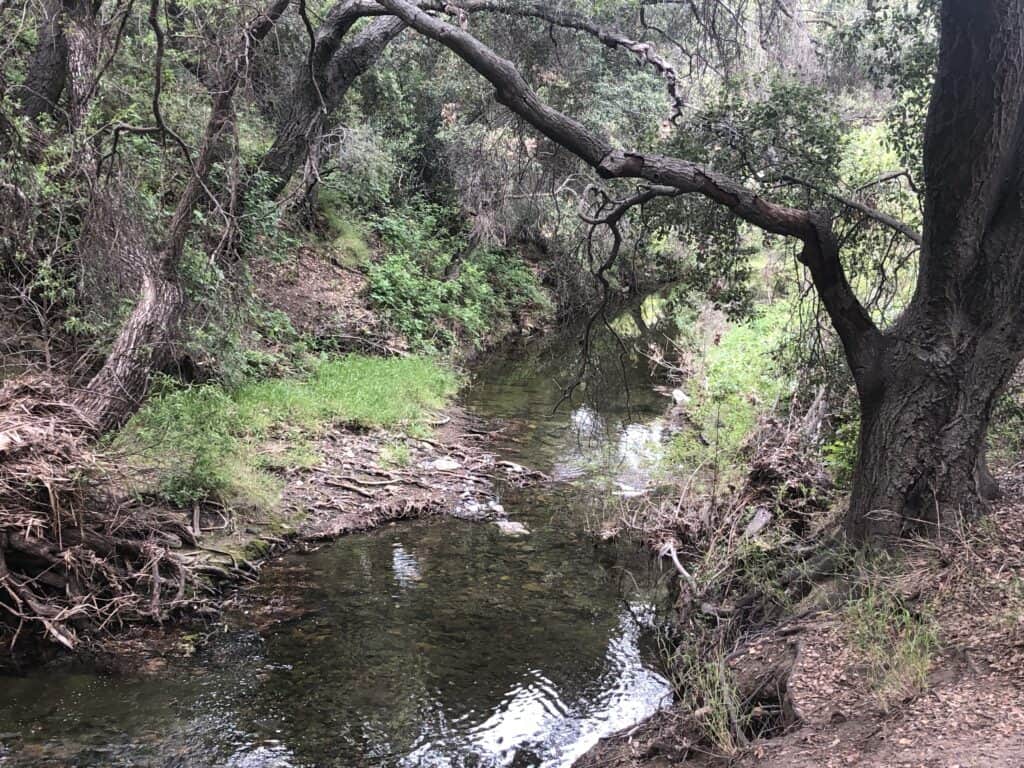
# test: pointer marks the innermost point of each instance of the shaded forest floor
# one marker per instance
(845, 708)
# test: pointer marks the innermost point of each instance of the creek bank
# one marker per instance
(186, 539)
(359, 484)
(357, 488)
(909, 658)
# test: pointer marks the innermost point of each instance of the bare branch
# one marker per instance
(158, 81)
(612, 220)
(872, 213)
(312, 49)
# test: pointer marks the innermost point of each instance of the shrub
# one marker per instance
(735, 382)
(841, 453)
(434, 311)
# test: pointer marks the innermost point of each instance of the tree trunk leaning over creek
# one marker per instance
(143, 342)
(927, 385)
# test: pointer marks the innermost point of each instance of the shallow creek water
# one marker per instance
(437, 644)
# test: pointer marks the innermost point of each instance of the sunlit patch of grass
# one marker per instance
(360, 390)
(736, 381)
(209, 443)
(395, 454)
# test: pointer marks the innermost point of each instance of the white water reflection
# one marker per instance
(625, 455)
(405, 566)
(534, 723)
(586, 423)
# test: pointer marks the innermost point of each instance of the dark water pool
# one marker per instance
(442, 643)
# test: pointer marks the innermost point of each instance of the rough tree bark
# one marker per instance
(144, 340)
(47, 70)
(928, 399)
(927, 385)
(321, 86)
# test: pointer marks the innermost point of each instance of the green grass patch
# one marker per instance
(366, 391)
(736, 381)
(896, 643)
(395, 454)
(209, 443)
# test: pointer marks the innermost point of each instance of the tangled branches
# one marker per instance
(746, 562)
(74, 561)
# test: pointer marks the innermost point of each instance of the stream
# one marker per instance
(431, 644)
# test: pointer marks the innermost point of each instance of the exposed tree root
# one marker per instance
(746, 563)
(75, 561)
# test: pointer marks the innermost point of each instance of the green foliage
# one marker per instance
(841, 453)
(205, 442)
(895, 43)
(761, 130)
(196, 430)
(345, 234)
(363, 169)
(735, 382)
(434, 311)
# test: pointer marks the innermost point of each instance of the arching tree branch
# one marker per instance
(820, 252)
(334, 65)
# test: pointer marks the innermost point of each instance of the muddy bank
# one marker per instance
(361, 484)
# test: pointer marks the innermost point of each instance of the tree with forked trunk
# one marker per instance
(335, 61)
(928, 383)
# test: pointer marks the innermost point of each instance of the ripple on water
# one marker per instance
(445, 645)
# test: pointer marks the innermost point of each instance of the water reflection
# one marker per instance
(404, 565)
(423, 645)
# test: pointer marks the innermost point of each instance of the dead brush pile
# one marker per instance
(745, 560)
(787, 477)
(75, 561)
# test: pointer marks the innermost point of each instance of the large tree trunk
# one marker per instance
(925, 411)
(142, 346)
(928, 393)
(321, 86)
(47, 71)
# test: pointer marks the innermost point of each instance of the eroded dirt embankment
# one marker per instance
(968, 710)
